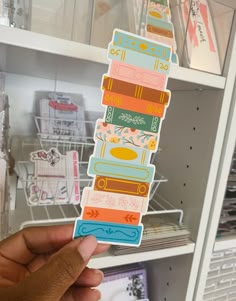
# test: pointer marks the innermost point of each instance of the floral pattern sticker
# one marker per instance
(124, 135)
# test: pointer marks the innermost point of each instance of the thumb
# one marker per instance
(62, 270)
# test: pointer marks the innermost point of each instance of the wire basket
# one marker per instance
(66, 130)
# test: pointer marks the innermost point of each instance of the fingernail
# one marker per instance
(98, 293)
(100, 274)
(87, 247)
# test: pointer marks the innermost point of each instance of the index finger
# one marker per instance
(23, 246)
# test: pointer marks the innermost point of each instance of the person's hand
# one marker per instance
(43, 264)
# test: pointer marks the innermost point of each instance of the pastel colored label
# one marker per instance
(137, 75)
(132, 119)
(111, 215)
(159, 23)
(117, 152)
(130, 103)
(169, 41)
(159, 11)
(138, 59)
(125, 136)
(121, 186)
(141, 45)
(121, 170)
(109, 232)
(115, 201)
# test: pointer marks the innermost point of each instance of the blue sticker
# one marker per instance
(121, 170)
(109, 232)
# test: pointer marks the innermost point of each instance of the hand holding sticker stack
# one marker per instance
(136, 99)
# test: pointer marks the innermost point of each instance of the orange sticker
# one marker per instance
(110, 215)
(132, 104)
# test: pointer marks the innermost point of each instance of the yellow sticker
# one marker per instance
(123, 153)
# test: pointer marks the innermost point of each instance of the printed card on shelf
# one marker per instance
(136, 99)
(62, 117)
(201, 45)
(55, 179)
(125, 135)
(159, 11)
(159, 26)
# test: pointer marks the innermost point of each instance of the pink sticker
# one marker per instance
(137, 75)
(118, 201)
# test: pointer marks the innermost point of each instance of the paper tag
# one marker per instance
(55, 179)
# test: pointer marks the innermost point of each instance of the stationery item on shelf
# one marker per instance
(141, 45)
(107, 232)
(160, 232)
(159, 26)
(55, 178)
(138, 59)
(121, 170)
(118, 201)
(125, 135)
(62, 116)
(159, 11)
(117, 152)
(130, 103)
(137, 75)
(200, 51)
(112, 210)
(122, 186)
(136, 91)
(163, 28)
(126, 283)
(131, 119)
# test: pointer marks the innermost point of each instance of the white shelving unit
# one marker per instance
(193, 141)
(212, 245)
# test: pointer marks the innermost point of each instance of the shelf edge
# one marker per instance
(110, 261)
(52, 45)
(224, 243)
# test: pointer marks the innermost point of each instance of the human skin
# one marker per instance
(45, 264)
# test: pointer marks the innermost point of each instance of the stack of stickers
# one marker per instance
(159, 26)
(136, 99)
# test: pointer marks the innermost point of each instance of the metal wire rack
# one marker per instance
(25, 216)
(64, 131)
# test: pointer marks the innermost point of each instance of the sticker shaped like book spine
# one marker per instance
(136, 100)
(159, 26)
